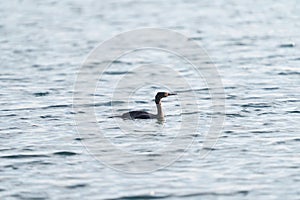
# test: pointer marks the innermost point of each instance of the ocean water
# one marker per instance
(43, 155)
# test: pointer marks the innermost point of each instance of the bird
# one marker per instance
(146, 115)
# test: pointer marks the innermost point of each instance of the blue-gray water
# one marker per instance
(254, 44)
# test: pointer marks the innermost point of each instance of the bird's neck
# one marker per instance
(160, 113)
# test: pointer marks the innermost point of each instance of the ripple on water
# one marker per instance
(65, 153)
(77, 186)
(20, 156)
(141, 197)
(287, 45)
(40, 94)
(289, 73)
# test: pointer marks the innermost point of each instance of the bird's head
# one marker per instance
(161, 95)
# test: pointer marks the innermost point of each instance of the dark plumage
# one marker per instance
(138, 115)
(146, 115)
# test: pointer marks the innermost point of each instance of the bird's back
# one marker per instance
(138, 115)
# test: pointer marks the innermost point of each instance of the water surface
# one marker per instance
(255, 46)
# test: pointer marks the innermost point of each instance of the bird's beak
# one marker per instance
(169, 94)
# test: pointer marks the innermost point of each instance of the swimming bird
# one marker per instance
(146, 115)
